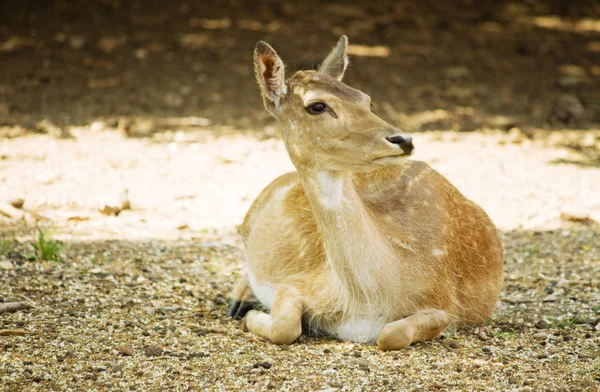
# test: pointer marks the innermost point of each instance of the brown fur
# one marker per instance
(359, 240)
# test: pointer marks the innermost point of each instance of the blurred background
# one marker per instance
(459, 65)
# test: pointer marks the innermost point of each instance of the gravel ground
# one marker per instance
(138, 302)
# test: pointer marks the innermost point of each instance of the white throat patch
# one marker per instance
(332, 188)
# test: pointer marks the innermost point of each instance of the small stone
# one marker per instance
(6, 265)
(542, 325)
(540, 336)
(363, 365)
(17, 203)
(327, 351)
(266, 365)
(482, 335)
(219, 300)
(154, 350)
(550, 298)
(270, 386)
(125, 350)
(452, 344)
(512, 380)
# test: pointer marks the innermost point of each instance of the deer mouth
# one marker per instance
(390, 159)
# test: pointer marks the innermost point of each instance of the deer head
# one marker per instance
(326, 124)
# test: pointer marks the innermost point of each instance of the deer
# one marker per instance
(360, 243)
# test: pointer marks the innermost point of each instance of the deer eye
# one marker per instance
(316, 108)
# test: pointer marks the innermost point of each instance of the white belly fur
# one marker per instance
(360, 330)
(264, 292)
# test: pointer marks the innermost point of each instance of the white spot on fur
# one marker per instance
(315, 78)
(293, 124)
(360, 330)
(264, 292)
(331, 190)
(437, 252)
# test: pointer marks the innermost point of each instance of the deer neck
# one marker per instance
(357, 251)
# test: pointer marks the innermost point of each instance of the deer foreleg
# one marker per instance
(242, 299)
(284, 324)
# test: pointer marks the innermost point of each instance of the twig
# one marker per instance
(13, 306)
(29, 300)
(14, 332)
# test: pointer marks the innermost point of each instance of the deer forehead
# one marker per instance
(312, 86)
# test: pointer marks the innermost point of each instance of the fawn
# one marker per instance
(359, 243)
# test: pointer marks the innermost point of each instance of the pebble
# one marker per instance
(266, 365)
(125, 350)
(363, 365)
(482, 335)
(7, 265)
(154, 350)
(17, 203)
(452, 344)
(542, 324)
(540, 336)
(550, 298)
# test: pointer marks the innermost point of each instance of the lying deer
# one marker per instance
(359, 243)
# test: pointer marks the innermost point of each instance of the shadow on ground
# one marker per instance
(151, 314)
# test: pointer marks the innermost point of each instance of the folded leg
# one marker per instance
(424, 325)
(284, 324)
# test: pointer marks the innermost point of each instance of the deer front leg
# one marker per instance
(242, 299)
(284, 324)
(421, 326)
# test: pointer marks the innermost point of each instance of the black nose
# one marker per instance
(404, 142)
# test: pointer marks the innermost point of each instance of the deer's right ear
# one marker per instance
(270, 76)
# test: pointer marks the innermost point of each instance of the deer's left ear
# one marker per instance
(270, 76)
(335, 64)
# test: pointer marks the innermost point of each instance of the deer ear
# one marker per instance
(335, 64)
(270, 76)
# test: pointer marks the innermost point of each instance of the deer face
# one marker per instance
(326, 124)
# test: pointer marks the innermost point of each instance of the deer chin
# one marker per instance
(391, 160)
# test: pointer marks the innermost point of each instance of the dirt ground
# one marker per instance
(109, 103)
(154, 279)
